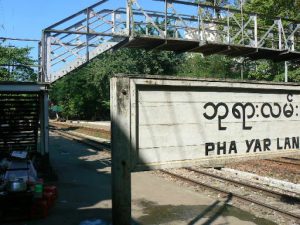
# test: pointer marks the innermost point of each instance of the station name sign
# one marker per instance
(169, 122)
(245, 113)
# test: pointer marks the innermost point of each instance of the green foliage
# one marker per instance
(288, 9)
(77, 96)
(265, 70)
(215, 66)
(84, 94)
(15, 64)
(276, 8)
(294, 75)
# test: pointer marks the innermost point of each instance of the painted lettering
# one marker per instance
(257, 146)
(209, 147)
(249, 144)
(279, 147)
(221, 147)
(267, 144)
(240, 111)
(295, 141)
(245, 111)
(287, 144)
(232, 147)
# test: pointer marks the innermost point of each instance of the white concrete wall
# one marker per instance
(185, 122)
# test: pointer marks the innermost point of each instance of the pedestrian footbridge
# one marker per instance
(167, 25)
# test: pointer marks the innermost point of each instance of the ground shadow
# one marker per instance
(84, 184)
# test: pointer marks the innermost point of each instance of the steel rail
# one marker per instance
(89, 142)
(289, 158)
(285, 162)
(267, 191)
(234, 195)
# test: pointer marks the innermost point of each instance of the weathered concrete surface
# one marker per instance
(85, 194)
(158, 201)
(178, 122)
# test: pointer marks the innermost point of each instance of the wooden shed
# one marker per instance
(24, 117)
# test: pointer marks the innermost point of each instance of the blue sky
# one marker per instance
(27, 18)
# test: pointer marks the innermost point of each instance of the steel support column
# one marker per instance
(286, 79)
(44, 123)
(46, 57)
(128, 17)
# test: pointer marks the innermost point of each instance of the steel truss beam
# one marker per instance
(179, 26)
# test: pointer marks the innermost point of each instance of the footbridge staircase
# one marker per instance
(168, 25)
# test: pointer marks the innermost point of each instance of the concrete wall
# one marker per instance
(186, 122)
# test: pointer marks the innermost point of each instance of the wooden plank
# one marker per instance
(13, 132)
(14, 99)
(19, 134)
(23, 103)
(19, 108)
(16, 126)
(19, 117)
(12, 146)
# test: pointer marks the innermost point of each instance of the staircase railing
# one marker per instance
(75, 40)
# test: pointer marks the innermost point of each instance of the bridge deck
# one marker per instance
(208, 48)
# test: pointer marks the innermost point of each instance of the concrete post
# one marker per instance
(121, 149)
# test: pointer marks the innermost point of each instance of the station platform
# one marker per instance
(84, 185)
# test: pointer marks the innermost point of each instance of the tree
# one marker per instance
(286, 9)
(265, 70)
(15, 64)
(215, 66)
(84, 94)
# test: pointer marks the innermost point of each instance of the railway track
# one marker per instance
(292, 197)
(292, 159)
(83, 139)
(279, 196)
(238, 196)
(284, 161)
